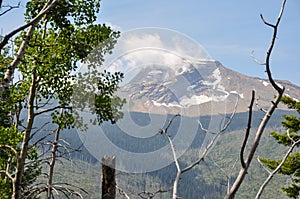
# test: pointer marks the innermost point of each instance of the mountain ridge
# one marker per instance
(203, 87)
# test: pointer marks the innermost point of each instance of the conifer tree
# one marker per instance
(291, 166)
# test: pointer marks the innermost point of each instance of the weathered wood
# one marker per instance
(108, 177)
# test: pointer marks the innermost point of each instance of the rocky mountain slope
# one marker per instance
(202, 87)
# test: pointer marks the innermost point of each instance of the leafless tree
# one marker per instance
(52, 151)
(245, 162)
(180, 171)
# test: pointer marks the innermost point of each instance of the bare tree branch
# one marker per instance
(208, 147)
(52, 163)
(259, 107)
(247, 131)
(227, 174)
(267, 116)
(9, 8)
(51, 109)
(264, 167)
(275, 28)
(205, 152)
(7, 174)
(10, 148)
(122, 192)
(150, 195)
(256, 60)
(165, 132)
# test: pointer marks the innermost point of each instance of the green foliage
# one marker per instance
(5, 59)
(65, 36)
(292, 191)
(66, 12)
(108, 106)
(9, 136)
(291, 167)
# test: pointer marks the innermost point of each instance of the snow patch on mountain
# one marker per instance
(235, 92)
(184, 67)
(155, 72)
(216, 74)
(194, 100)
(200, 99)
(264, 83)
(172, 104)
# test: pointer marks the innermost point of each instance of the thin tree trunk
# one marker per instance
(17, 182)
(52, 163)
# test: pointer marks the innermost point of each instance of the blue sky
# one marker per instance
(228, 30)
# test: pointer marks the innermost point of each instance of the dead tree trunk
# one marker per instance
(108, 177)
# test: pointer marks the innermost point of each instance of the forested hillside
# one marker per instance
(209, 179)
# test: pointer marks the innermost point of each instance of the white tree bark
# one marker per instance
(17, 181)
(201, 157)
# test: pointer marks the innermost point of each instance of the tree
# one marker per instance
(222, 128)
(246, 162)
(291, 164)
(59, 35)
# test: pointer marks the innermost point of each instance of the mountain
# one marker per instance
(200, 87)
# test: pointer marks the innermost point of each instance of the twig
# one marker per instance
(264, 167)
(275, 28)
(52, 109)
(150, 195)
(256, 60)
(122, 192)
(9, 8)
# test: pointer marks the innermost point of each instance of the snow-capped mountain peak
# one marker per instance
(201, 85)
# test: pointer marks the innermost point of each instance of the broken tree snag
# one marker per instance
(108, 177)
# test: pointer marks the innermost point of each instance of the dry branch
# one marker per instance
(247, 131)
(268, 114)
(9, 8)
(205, 152)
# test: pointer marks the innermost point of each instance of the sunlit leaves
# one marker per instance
(66, 12)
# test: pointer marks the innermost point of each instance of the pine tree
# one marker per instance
(291, 167)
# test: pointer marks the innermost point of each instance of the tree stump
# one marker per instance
(108, 177)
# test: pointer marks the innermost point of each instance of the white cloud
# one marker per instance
(145, 47)
(133, 41)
